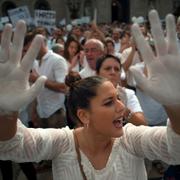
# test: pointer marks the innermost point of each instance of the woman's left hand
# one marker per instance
(163, 82)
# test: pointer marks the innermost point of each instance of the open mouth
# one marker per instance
(118, 123)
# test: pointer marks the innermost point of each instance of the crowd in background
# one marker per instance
(81, 51)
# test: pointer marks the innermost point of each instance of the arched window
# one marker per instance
(7, 6)
(120, 10)
(176, 8)
(88, 8)
(42, 5)
(74, 8)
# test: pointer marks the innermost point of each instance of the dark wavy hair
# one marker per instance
(67, 44)
(80, 94)
(100, 61)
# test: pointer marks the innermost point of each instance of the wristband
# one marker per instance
(128, 116)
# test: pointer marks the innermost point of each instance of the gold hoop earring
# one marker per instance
(86, 125)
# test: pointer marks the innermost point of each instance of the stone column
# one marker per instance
(103, 11)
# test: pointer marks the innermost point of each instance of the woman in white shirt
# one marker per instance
(101, 148)
(73, 54)
(109, 66)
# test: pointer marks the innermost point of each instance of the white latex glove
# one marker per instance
(163, 81)
(15, 91)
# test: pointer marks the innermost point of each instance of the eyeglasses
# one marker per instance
(93, 50)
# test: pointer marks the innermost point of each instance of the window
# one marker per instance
(7, 6)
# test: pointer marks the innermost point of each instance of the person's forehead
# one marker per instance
(116, 33)
(106, 87)
(91, 44)
(110, 43)
(77, 29)
(110, 61)
(73, 43)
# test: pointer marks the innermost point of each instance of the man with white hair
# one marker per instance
(93, 49)
(58, 49)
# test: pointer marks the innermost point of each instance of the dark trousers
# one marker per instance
(27, 168)
(6, 170)
(172, 173)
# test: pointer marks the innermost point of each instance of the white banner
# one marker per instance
(19, 13)
(45, 18)
(4, 19)
(62, 22)
(85, 19)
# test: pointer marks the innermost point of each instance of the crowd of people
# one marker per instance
(109, 103)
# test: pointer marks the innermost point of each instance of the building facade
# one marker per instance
(107, 10)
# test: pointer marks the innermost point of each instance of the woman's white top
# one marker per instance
(126, 161)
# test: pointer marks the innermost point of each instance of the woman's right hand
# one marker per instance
(162, 82)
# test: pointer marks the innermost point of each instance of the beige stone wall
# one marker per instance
(142, 7)
(104, 11)
(60, 8)
(137, 8)
(57, 5)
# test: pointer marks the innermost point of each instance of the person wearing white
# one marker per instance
(51, 99)
(87, 72)
(110, 47)
(110, 67)
(117, 41)
(154, 112)
(93, 49)
(132, 101)
(106, 149)
(130, 57)
(54, 67)
(126, 160)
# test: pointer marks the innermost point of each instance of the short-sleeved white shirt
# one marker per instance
(154, 112)
(136, 59)
(55, 68)
(132, 101)
(87, 72)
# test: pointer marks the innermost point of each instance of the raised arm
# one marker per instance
(15, 91)
(162, 83)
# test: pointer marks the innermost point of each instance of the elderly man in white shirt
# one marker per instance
(93, 49)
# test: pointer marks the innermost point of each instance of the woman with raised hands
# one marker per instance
(101, 148)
